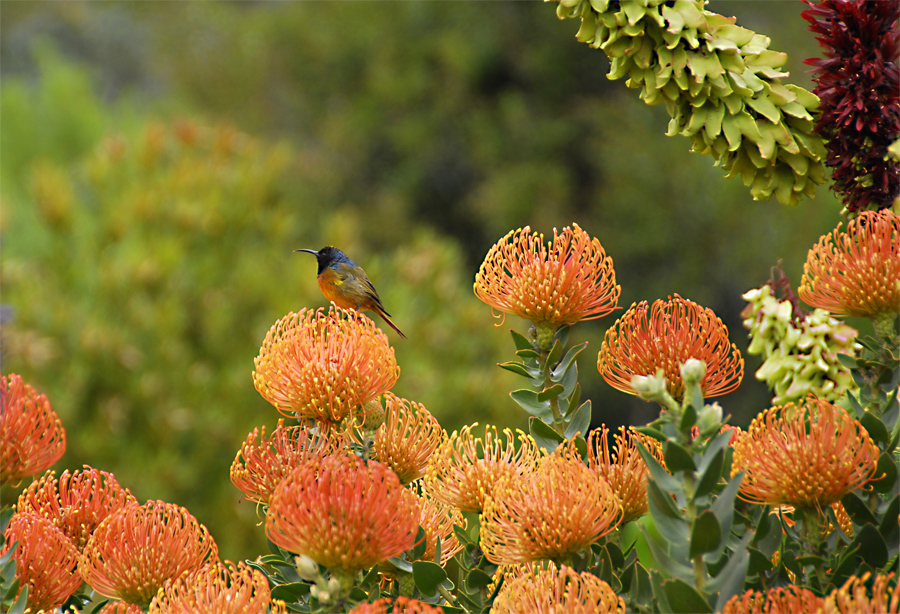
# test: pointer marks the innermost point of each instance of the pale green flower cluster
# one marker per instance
(800, 354)
(721, 85)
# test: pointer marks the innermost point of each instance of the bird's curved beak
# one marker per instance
(311, 251)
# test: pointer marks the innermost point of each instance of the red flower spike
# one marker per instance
(570, 281)
(786, 600)
(137, 549)
(858, 84)
(343, 513)
(546, 588)
(856, 272)
(45, 560)
(262, 462)
(807, 455)
(552, 513)
(324, 365)
(663, 336)
(31, 436)
(75, 503)
(223, 588)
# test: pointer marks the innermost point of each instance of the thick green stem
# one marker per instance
(699, 566)
(812, 539)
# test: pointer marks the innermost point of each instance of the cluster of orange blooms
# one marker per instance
(350, 486)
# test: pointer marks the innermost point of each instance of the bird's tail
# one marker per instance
(384, 316)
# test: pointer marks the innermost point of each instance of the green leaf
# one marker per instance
(401, 564)
(559, 370)
(758, 561)
(581, 421)
(688, 419)
(730, 580)
(19, 606)
(684, 598)
(667, 564)
(477, 579)
(710, 477)
(845, 566)
(857, 510)
(419, 549)
(662, 500)
(461, 535)
(527, 353)
(562, 334)
(522, 342)
(876, 428)
(887, 468)
(706, 534)
(521, 369)
(550, 393)
(544, 435)
(555, 353)
(528, 400)
(871, 544)
(677, 457)
(658, 473)
(846, 360)
(290, 593)
(889, 528)
(428, 576)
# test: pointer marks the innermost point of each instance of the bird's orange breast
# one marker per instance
(333, 288)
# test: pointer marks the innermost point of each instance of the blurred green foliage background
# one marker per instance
(160, 161)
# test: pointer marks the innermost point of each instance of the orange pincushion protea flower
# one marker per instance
(221, 588)
(543, 587)
(75, 503)
(808, 455)
(135, 550)
(407, 438)
(552, 513)
(624, 470)
(663, 336)
(855, 598)
(343, 513)
(857, 272)
(45, 560)
(120, 607)
(323, 366)
(572, 280)
(31, 436)
(464, 470)
(262, 462)
(400, 605)
(437, 520)
(787, 600)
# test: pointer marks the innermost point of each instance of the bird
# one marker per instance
(344, 283)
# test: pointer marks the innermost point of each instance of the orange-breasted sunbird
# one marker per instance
(344, 283)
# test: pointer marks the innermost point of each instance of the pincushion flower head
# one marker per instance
(135, 550)
(45, 560)
(865, 595)
(856, 272)
(407, 438)
(464, 469)
(343, 513)
(781, 600)
(324, 365)
(553, 513)
(223, 588)
(569, 280)
(31, 436)
(546, 588)
(262, 462)
(76, 503)
(623, 468)
(663, 336)
(399, 605)
(807, 455)
(437, 520)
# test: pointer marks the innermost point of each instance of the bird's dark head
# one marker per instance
(328, 256)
